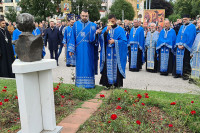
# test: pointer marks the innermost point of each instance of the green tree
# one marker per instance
(40, 8)
(120, 5)
(93, 7)
(161, 4)
(11, 15)
(182, 7)
(190, 7)
(174, 17)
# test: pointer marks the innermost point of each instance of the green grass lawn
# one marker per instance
(155, 116)
(67, 99)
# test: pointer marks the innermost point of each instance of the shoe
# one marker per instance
(185, 78)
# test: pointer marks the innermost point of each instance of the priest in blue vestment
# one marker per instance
(183, 48)
(136, 47)
(195, 61)
(70, 60)
(165, 49)
(37, 32)
(82, 45)
(15, 37)
(150, 45)
(113, 54)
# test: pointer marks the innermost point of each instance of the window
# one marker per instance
(1, 9)
(8, 1)
(18, 9)
(17, 1)
(7, 7)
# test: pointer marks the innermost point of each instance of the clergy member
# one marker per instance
(37, 32)
(150, 45)
(195, 61)
(184, 42)
(6, 51)
(70, 60)
(136, 47)
(113, 54)
(82, 45)
(15, 37)
(164, 48)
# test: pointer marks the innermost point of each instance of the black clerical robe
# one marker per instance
(6, 54)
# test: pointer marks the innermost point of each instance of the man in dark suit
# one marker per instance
(53, 37)
(60, 28)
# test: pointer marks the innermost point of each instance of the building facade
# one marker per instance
(6, 4)
(138, 6)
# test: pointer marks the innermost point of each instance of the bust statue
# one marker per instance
(28, 47)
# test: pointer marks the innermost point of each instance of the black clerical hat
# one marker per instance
(186, 16)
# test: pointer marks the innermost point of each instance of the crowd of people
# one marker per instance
(174, 49)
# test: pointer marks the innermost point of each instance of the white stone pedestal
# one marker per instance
(35, 96)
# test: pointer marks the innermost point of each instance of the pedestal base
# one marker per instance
(57, 130)
(35, 96)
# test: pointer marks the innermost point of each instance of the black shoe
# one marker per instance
(176, 76)
(192, 81)
(185, 78)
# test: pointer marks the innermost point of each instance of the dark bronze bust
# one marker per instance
(28, 47)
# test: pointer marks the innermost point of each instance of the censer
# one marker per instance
(73, 74)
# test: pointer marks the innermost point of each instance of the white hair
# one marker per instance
(153, 24)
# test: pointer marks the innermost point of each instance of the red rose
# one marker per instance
(139, 96)
(173, 103)
(126, 91)
(143, 104)
(5, 87)
(134, 105)
(6, 100)
(192, 101)
(113, 116)
(118, 107)
(101, 95)
(193, 112)
(4, 90)
(61, 105)
(56, 88)
(59, 84)
(1, 103)
(72, 89)
(138, 122)
(119, 99)
(146, 96)
(62, 96)
(170, 125)
(16, 97)
(109, 121)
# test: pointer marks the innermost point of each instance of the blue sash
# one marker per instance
(196, 66)
(164, 59)
(111, 61)
(134, 54)
(150, 57)
(179, 61)
(111, 65)
(195, 61)
(81, 36)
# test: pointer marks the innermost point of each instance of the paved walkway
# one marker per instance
(72, 122)
(134, 80)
